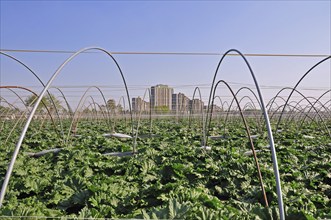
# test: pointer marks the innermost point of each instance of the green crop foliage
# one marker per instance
(171, 177)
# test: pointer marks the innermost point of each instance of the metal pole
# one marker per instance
(19, 143)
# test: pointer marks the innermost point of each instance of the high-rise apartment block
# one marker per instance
(139, 105)
(161, 97)
(180, 103)
(163, 100)
(196, 105)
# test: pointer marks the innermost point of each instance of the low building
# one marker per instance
(139, 105)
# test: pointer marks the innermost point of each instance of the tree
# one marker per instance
(111, 104)
(48, 100)
(162, 109)
(119, 108)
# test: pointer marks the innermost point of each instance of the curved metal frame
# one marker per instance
(29, 90)
(300, 110)
(79, 106)
(249, 138)
(297, 84)
(139, 118)
(123, 112)
(226, 117)
(318, 100)
(78, 114)
(218, 118)
(312, 105)
(204, 141)
(18, 146)
(41, 82)
(6, 110)
(65, 99)
(268, 126)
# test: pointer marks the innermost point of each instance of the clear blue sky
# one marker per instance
(276, 27)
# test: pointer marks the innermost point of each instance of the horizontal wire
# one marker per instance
(120, 87)
(166, 53)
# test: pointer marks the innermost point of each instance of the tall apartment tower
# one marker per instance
(139, 105)
(161, 96)
(180, 103)
(196, 105)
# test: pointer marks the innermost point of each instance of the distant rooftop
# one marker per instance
(160, 85)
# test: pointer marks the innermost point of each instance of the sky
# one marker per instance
(252, 27)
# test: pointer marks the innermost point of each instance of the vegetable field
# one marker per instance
(100, 162)
(170, 176)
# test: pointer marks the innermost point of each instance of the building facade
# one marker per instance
(139, 105)
(161, 98)
(180, 103)
(196, 106)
